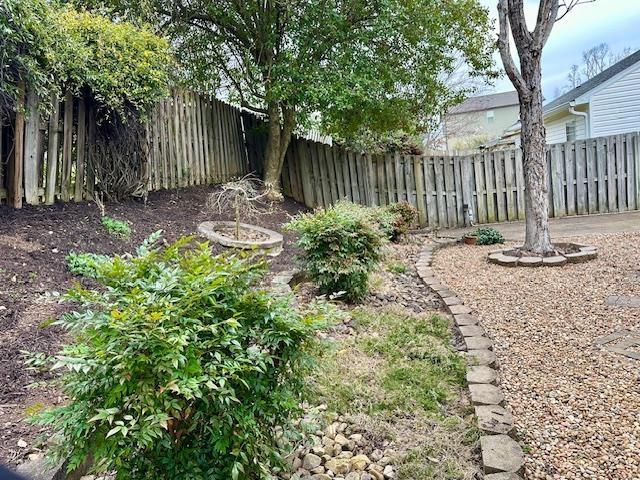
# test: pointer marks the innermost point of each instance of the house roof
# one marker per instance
(486, 102)
(592, 83)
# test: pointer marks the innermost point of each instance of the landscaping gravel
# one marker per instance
(576, 405)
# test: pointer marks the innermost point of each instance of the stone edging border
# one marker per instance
(502, 456)
(507, 258)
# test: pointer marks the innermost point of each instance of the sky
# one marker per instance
(616, 22)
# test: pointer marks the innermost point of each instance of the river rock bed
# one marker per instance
(339, 452)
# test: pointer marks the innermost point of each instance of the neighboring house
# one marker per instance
(607, 104)
(479, 119)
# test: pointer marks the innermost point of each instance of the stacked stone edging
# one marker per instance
(507, 258)
(502, 456)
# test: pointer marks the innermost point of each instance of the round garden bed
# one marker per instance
(251, 237)
(564, 253)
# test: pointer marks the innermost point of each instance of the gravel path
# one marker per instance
(577, 407)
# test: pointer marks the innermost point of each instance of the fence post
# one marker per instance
(52, 152)
(67, 147)
(16, 160)
(31, 133)
(81, 151)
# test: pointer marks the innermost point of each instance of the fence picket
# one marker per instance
(499, 159)
(81, 151)
(449, 191)
(480, 189)
(611, 175)
(67, 148)
(570, 175)
(581, 178)
(440, 192)
(510, 185)
(31, 133)
(421, 200)
(631, 173)
(621, 181)
(490, 187)
(52, 152)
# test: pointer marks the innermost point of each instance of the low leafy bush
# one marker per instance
(394, 219)
(341, 246)
(115, 227)
(85, 264)
(181, 367)
(488, 236)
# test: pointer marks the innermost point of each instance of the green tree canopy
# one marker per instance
(50, 48)
(363, 66)
(355, 66)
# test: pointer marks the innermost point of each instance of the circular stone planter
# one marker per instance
(569, 253)
(271, 244)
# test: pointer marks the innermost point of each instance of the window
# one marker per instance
(570, 129)
(490, 116)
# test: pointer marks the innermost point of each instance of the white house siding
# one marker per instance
(557, 128)
(616, 107)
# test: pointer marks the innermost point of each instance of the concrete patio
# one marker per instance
(564, 227)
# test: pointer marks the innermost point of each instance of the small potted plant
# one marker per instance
(470, 238)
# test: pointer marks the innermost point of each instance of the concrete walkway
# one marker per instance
(564, 227)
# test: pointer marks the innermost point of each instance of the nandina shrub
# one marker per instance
(404, 215)
(394, 219)
(180, 369)
(341, 246)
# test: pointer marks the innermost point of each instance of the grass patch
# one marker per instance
(118, 228)
(399, 376)
(396, 267)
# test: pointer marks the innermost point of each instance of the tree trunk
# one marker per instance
(278, 140)
(528, 81)
(272, 152)
(536, 195)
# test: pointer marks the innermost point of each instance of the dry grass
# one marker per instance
(399, 380)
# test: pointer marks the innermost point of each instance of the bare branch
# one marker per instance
(566, 5)
(547, 15)
(505, 52)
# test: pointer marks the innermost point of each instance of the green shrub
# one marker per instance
(85, 264)
(181, 368)
(394, 219)
(488, 236)
(115, 227)
(341, 246)
(48, 45)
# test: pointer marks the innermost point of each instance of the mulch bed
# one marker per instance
(33, 244)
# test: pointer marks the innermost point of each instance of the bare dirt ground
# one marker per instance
(576, 405)
(33, 245)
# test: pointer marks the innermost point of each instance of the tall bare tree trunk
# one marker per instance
(528, 82)
(536, 195)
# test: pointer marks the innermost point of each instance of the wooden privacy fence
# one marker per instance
(196, 140)
(192, 140)
(587, 176)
